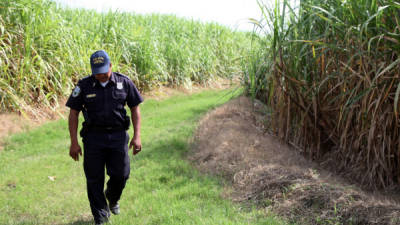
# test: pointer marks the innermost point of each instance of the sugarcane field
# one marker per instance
(199, 112)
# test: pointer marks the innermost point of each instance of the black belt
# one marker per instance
(105, 129)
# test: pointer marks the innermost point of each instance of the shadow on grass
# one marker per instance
(81, 222)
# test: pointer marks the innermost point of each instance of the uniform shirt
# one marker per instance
(105, 105)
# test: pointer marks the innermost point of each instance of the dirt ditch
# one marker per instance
(232, 142)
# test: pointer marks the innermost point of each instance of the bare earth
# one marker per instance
(33, 116)
(232, 142)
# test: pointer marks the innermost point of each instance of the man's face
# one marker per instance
(103, 77)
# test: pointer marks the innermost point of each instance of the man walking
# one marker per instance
(101, 97)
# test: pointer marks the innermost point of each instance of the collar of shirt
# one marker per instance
(104, 83)
(112, 79)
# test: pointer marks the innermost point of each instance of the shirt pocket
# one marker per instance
(119, 97)
(90, 101)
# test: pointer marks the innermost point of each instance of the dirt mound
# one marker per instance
(231, 142)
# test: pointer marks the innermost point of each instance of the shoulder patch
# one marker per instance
(76, 91)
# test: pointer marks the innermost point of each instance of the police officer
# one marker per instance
(102, 97)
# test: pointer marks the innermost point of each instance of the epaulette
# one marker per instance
(86, 77)
(122, 75)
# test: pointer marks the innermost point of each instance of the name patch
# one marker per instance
(91, 96)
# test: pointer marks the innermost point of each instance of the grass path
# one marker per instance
(163, 189)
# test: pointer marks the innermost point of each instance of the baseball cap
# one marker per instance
(100, 62)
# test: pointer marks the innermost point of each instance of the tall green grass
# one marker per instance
(44, 49)
(330, 71)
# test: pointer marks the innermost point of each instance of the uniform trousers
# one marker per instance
(110, 151)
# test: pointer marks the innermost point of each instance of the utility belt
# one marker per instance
(88, 127)
(105, 129)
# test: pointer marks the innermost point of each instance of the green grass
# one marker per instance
(163, 188)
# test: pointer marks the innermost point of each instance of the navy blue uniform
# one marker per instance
(105, 138)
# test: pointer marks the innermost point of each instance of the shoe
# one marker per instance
(102, 221)
(114, 208)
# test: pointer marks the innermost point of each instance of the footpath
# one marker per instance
(41, 184)
(254, 177)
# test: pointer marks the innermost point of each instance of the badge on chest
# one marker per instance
(119, 86)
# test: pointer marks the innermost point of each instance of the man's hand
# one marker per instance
(136, 144)
(75, 151)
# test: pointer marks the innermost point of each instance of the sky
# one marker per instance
(231, 13)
